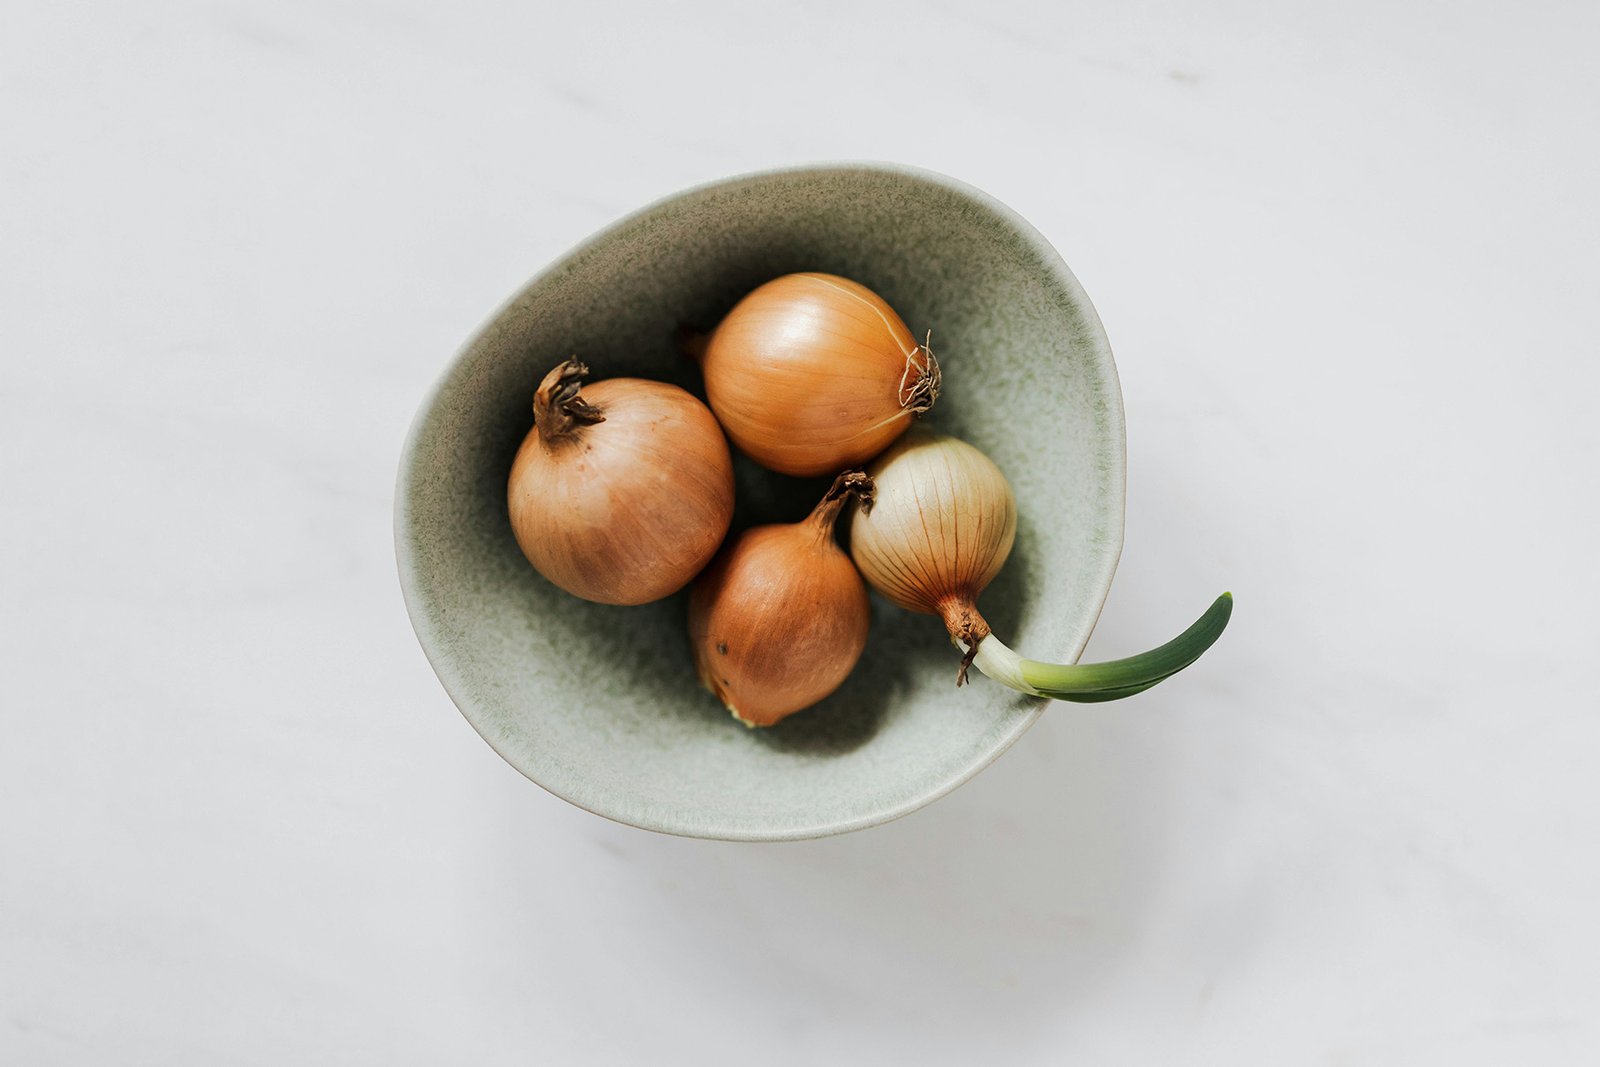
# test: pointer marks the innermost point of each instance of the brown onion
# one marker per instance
(621, 494)
(813, 372)
(780, 617)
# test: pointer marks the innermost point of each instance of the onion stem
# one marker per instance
(1092, 682)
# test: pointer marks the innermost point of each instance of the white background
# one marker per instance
(1347, 257)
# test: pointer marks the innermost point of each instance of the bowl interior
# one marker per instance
(601, 705)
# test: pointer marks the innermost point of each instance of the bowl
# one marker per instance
(600, 705)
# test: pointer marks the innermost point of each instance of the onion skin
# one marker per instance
(780, 618)
(622, 494)
(942, 525)
(811, 373)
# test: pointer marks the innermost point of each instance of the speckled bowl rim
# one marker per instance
(1100, 352)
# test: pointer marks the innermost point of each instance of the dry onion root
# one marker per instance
(812, 373)
(621, 492)
(780, 617)
(942, 523)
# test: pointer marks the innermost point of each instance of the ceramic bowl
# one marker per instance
(600, 705)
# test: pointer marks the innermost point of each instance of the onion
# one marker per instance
(779, 619)
(621, 494)
(812, 373)
(942, 523)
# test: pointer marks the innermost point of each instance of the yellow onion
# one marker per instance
(780, 617)
(942, 523)
(621, 493)
(812, 373)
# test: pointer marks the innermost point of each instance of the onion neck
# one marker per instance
(851, 483)
(967, 629)
(558, 409)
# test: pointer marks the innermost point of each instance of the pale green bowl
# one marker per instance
(600, 705)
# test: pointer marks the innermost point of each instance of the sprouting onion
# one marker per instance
(942, 523)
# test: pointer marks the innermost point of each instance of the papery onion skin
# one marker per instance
(780, 618)
(811, 373)
(942, 524)
(627, 504)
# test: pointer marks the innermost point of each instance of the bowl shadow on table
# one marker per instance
(1000, 909)
(1006, 906)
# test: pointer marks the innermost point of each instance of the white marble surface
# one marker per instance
(1347, 256)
